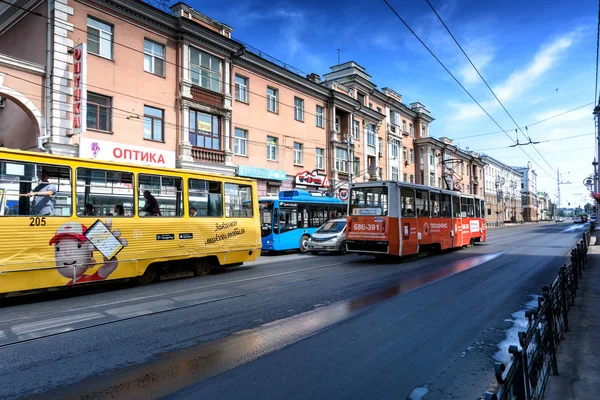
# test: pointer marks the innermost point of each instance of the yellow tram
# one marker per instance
(68, 221)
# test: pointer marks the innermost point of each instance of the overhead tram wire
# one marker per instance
(488, 86)
(532, 124)
(460, 84)
(543, 141)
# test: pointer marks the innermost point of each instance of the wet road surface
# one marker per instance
(287, 326)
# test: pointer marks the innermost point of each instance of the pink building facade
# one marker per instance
(128, 82)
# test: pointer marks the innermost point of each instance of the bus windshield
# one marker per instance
(369, 201)
(266, 217)
(332, 227)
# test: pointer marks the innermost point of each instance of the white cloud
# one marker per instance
(519, 81)
(577, 115)
(481, 52)
(385, 41)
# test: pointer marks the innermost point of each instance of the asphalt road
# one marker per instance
(289, 326)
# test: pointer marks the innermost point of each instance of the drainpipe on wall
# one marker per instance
(48, 134)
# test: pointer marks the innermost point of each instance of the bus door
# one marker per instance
(287, 233)
(407, 227)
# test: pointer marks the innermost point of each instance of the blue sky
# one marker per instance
(539, 58)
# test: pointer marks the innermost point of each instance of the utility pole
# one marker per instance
(558, 188)
(597, 139)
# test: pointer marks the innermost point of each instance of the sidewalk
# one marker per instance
(579, 354)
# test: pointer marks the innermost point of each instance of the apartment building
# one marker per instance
(122, 80)
(442, 164)
(529, 196)
(502, 192)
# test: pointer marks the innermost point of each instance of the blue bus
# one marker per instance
(288, 221)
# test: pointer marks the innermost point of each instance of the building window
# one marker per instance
(371, 105)
(394, 149)
(320, 158)
(356, 130)
(99, 38)
(394, 173)
(432, 179)
(412, 179)
(356, 167)
(205, 70)
(241, 89)
(380, 146)
(422, 181)
(99, 112)
(272, 99)
(272, 190)
(320, 111)
(153, 124)
(298, 109)
(240, 143)
(431, 157)
(379, 110)
(405, 178)
(341, 159)
(410, 130)
(412, 156)
(404, 126)
(404, 154)
(271, 148)
(205, 130)
(360, 97)
(298, 153)
(154, 58)
(371, 135)
(423, 130)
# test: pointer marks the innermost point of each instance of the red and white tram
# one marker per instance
(400, 219)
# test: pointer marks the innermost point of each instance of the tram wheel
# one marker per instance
(148, 277)
(202, 267)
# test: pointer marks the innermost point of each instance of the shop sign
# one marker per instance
(121, 152)
(261, 173)
(312, 179)
(79, 88)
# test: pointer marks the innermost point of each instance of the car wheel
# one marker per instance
(343, 248)
(304, 244)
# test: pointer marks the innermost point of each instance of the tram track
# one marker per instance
(210, 301)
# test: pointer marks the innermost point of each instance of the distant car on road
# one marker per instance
(560, 220)
(579, 219)
(331, 236)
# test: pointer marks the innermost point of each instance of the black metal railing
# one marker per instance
(531, 364)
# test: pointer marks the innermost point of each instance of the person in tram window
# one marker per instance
(193, 212)
(88, 210)
(43, 200)
(119, 210)
(151, 207)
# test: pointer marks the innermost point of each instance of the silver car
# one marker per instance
(331, 236)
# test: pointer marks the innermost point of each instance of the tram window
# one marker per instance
(206, 197)
(456, 207)
(375, 199)
(408, 202)
(104, 193)
(17, 179)
(467, 207)
(482, 209)
(236, 196)
(477, 209)
(435, 204)
(445, 206)
(422, 203)
(160, 196)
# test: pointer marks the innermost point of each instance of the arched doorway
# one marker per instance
(21, 121)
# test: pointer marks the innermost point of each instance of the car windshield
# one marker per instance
(332, 227)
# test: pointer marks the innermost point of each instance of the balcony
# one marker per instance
(200, 154)
(206, 96)
(392, 128)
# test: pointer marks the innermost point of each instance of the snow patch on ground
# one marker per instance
(418, 393)
(519, 322)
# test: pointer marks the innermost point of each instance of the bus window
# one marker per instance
(288, 220)
(456, 207)
(206, 197)
(266, 217)
(160, 196)
(235, 196)
(369, 201)
(408, 202)
(445, 206)
(18, 179)
(105, 193)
